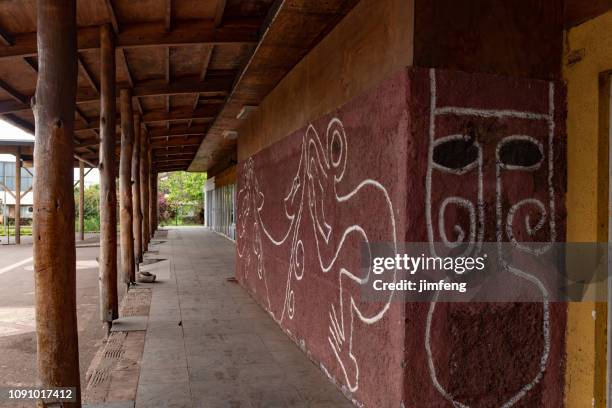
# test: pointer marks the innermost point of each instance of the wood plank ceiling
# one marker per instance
(182, 58)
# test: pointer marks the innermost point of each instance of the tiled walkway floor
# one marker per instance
(208, 344)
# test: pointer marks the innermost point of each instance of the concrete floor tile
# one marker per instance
(282, 396)
(216, 393)
(228, 351)
(164, 376)
(164, 359)
(168, 395)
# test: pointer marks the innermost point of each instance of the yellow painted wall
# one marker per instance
(371, 42)
(588, 54)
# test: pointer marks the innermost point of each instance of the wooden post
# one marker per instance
(150, 189)
(125, 186)
(81, 201)
(18, 196)
(137, 220)
(109, 309)
(154, 202)
(144, 187)
(54, 246)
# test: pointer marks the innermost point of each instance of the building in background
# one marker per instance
(220, 203)
(7, 192)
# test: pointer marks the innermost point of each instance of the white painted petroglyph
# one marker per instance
(531, 228)
(317, 163)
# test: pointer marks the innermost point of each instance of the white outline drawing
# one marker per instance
(477, 230)
(318, 162)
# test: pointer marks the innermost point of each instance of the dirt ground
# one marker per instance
(17, 325)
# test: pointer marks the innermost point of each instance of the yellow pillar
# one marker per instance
(588, 57)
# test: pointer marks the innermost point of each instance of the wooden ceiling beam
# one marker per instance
(80, 115)
(84, 143)
(88, 75)
(168, 78)
(139, 106)
(88, 161)
(178, 138)
(191, 141)
(164, 167)
(147, 35)
(173, 161)
(130, 78)
(207, 113)
(268, 64)
(219, 12)
(167, 65)
(126, 67)
(163, 116)
(207, 54)
(186, 156)
(177, 131)
(171, 169)
(221, 86)
(112, 16)
(18, 122)
(174, 151)
(6, 38)
(31, 63)
(177, 145)
(168, 15)
(90, 148)
(213, 87)
(13, 93)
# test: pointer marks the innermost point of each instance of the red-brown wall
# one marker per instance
(489, 354)
(365, 173)
(305, 206)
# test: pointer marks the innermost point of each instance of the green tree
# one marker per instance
(184, 195)
(92, 207)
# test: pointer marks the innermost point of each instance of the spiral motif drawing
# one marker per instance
(537, 216)
(457, 228)
(321, 169)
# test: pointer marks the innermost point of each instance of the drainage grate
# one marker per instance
(98, 377)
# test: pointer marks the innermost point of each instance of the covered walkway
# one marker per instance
(207, 343)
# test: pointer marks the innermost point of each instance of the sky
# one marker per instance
(8, 131)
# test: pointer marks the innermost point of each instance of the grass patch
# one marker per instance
(25, 230)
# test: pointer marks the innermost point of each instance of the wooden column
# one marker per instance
(18, 196)
(150, 189)
(137, 219)
(109, 310)
(155, 207)
(125, 186)
(54, 246)
(81, 201)
(144, 189)
(152, 199)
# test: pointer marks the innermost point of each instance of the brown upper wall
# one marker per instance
(225, 177)
(515, 38)
(371, 42)
(522, 38)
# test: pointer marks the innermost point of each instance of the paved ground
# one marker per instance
(27, 239)
(17, 337)
(208, 344)
(205, 342)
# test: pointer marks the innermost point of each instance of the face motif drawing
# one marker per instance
(489, 180)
